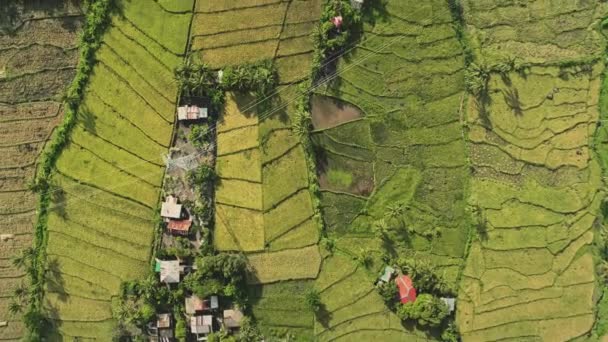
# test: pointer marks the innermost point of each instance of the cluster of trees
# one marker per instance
(197, 80)
(219, 274)
(328, 40)
(259, 77)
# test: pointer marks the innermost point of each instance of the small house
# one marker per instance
(387, 275)
(201, 325)
(357, 4)
(407, 292)
(170, 208)
(337, 21)
(195, 304)
(169, 271)
(232, 318)
(450, 302)
(179, 227)
(191, 113)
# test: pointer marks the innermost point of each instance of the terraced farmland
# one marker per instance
(530, 273)
(262, 201)
(108, 177)
(388, 133)
(263, 206)
(405, 145)
(38, 55)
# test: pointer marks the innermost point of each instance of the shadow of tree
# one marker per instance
(54, 278)
(59, 201)
(323, 316)
(511, 96)
(88, 119)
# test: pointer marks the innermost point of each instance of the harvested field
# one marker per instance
(38, 56)
(108, 177)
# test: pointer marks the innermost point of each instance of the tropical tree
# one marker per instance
(313, 300)
(381, 229)
(24, 258)
(427, 310)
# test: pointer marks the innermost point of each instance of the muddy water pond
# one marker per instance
(329, 112)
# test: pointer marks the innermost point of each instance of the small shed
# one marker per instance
(407, 292)
(233, 318)
(179, 227)
(201, 324)
(169, 271)
(170, 208)
(163, 321)
(191, 113)
(337, 21)
(387, 275)
(356, 4)
(450, 302)
(214, 303)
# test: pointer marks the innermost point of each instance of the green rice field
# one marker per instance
(107, 180)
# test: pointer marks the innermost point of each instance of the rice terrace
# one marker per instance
(303, 170)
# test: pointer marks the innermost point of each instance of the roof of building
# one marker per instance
(170, 208)
(191, 113)
(214, 302)
(407, 292)
(232, 318)
(388, 274)
(337, 21)
(181, 226)
(163, 320)
(169, 271)
(194, 303)
(450, 302)
(201, 324)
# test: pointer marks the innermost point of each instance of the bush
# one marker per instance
(388, 292)
(202, 175)
(199, 135)
(313, 300)
(423, 276)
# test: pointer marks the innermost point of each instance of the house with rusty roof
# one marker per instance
(407, 292)
(185, 113)
(179, 227)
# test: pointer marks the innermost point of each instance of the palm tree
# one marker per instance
(381, 228)
(24, 258)
(15, 307)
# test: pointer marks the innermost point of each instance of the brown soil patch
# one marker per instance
(328, 112)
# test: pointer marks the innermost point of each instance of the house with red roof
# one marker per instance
(179, 227)
(407, 292)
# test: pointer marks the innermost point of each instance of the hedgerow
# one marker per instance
(97, 20)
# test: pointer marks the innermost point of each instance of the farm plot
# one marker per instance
(388, 135)
(530, 272)
(535, 31)
(256, 150)
(107, 180)
(38, 56)
(261, 164)
(281, 308)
